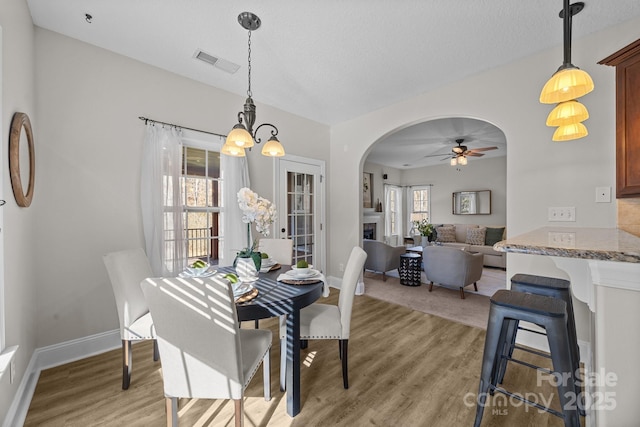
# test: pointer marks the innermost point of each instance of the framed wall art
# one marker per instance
(367, 190)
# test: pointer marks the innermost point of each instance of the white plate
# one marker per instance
(309, 275)
(268, 262)
(248, 279)
(241, 289)
(207, 273)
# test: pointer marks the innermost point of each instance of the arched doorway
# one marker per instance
(419, 159)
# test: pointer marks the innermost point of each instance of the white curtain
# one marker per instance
(235, 172)
(160, 200)
(398, 215)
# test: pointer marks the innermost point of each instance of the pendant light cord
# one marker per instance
(249, 94)
(567, 33)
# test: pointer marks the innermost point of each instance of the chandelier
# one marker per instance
(567, 83)
(243, 135)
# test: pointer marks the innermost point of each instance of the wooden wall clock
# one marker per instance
(21, 133)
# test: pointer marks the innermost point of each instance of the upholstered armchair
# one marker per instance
(382, 257)
(450, 266)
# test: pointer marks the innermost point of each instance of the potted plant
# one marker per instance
(262, 213)
(426, 230)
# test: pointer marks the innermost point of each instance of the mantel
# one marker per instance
(604, 268)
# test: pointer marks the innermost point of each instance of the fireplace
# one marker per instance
(369, 231)
(373, 225)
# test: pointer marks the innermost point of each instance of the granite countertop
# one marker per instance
(605, 244)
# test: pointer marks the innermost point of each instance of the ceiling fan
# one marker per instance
(461, 152)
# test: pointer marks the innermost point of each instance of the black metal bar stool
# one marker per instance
(551, 287)
(547, 312)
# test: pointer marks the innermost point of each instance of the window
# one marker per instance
(420, 203)
(202, 200)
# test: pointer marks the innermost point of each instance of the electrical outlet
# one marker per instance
(562, 214)
(560, 239)
(12, 371)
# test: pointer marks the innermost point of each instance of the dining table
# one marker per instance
(275, 299)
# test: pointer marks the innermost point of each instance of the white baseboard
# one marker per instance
(49, 357)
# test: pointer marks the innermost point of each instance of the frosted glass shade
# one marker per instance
(566, 84)
(462, 160)
(240, 137)
(453, 161)
(569, 132)
(232, 150)
(567, 113)
(273, 148)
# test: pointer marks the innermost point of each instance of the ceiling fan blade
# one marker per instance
(484, 149)
(437, 155)
(472, 154)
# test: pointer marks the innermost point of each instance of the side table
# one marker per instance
(410, 268)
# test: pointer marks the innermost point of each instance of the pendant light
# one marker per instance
(567, 83)
(569, 132)
(243, 135)
(567, 113)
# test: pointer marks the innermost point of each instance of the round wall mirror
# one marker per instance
(22, 159)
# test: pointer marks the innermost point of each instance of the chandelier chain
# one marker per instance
(249, 94)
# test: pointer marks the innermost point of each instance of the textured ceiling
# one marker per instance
(430, 143)
(329, 60)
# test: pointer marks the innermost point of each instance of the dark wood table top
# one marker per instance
(275, 298)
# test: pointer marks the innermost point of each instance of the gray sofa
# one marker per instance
(381, 257)
(492, 258)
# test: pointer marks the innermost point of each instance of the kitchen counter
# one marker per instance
(604, 244)
(603, 265)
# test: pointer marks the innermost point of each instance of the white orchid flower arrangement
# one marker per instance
(262, 213)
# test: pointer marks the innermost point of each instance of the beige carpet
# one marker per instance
(443, 302)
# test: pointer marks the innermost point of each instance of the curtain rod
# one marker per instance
(147, 120)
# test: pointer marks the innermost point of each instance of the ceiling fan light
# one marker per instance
(240, 137)
(454, 161)
(273, 148)
(566, 84)
(567, 113)
(462, 160)
(570, 132)
(232, 150)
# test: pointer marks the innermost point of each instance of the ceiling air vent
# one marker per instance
(219, 63)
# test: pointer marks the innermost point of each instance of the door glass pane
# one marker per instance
(300, 216)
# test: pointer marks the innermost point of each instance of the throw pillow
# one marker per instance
(493, 235)
(446, 234)
(475, 236)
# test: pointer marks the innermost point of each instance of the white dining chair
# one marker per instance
(324, 321)
(126, 270)
(280, 250)
(204, 353)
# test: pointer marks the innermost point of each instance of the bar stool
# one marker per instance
(547, 312)
(551, 287)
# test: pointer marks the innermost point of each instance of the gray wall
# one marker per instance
(18, 237)
(478, 174)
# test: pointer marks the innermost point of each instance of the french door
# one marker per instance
(301, 200)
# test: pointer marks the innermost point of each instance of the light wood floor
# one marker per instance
(407, 368)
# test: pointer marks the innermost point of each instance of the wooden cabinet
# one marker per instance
(627, 63)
